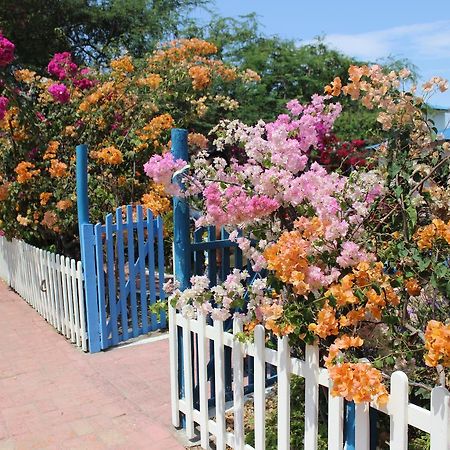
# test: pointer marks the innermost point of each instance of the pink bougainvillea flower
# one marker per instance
(6, 51)
(3, 106)
(62, 66)
(59, 92)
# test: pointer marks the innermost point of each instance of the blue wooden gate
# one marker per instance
(123, 267)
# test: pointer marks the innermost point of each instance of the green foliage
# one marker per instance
(94, 31)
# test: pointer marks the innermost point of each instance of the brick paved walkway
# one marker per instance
(53, 396)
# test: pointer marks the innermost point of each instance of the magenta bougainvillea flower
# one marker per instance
(59, 92)
(6, 51)
(3, 106)
(61, 66)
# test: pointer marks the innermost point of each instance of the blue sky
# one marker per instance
(419, 31)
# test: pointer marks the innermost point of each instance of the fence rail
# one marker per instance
(210, 422)
(52, 284)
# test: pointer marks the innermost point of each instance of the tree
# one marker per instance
(93, 30)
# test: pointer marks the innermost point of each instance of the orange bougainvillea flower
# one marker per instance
(412, 287)
(110, 155)
(26, 171)
(437, 342)
(198, 140)
(335, 87)
(62, 205)
(200, 77)
(52, 148)
(437, 229)
(327, 324)
(358, 382)
(152, 80)
(156, 126)
(288, 256)
(45, 197)
(156, 200)
(124, 64)
(57, 169)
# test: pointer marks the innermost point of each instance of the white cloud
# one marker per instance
(424, 41)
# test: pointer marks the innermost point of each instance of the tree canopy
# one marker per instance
(93, 30)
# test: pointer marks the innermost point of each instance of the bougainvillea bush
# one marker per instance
(355, 261)
(124, 116)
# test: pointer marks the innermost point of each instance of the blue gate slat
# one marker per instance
(123, 295)
(162, 294)
(212, 258)
(100, 284)
(151, 264)
(141, 261)
(199, 255)
(111, 272)
(225, 266)
(131, 270)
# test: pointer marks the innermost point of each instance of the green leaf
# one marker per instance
(412, 215)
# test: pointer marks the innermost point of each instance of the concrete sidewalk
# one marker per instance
(53, 396)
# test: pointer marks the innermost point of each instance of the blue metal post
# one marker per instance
(82, 186)
(181, 236)
(87, 245)
(181, 244)
(349, 427)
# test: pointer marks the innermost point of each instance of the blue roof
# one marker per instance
(438, 107)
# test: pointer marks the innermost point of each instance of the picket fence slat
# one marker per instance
(50, 283)
(284, 410)
(402, 414)
(260, 388)
(238, 388)
(399, 417)
(440, 411)
(312, 394)
(219, 375)
(203, 381)
(335, 422)
(188, 388)
(174, 368)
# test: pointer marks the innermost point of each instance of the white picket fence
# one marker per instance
(211, 424)
(52, 284)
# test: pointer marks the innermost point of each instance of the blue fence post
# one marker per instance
(181, 244)
(181, 236)
(87, 243)
(349, 426)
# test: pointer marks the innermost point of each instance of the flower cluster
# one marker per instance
(26, 171)
(109, 155)
(162, 168)
(59, 92)
(437, 229)
(6, 51)
(156, 200)
(437, 343)
(61, 66)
